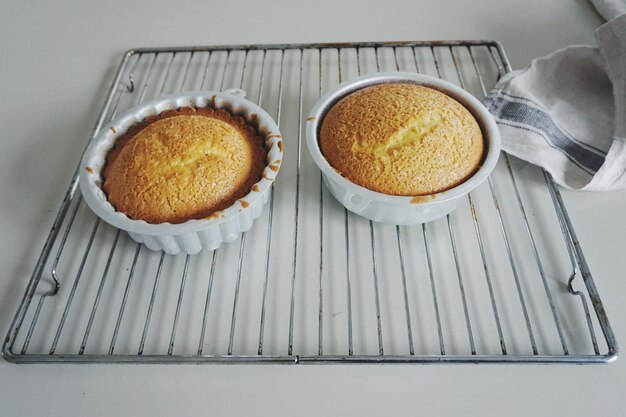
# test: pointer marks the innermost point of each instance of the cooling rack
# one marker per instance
(501, 280)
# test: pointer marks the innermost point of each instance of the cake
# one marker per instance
(402, 139)
(183, 164)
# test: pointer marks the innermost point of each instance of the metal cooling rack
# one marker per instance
(502, 279)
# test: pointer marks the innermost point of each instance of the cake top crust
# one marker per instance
(402, 139)
(183, 164)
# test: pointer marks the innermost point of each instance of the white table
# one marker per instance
(58, 59)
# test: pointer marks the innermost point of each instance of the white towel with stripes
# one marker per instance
(566, 112)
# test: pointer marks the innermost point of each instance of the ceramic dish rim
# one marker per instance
(489, 128)
(232, 100)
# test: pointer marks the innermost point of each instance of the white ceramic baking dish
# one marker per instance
(391, 208)
(194, 235)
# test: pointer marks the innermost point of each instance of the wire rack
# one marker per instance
(502, 279)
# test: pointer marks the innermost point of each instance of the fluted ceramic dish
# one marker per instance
(191, 236)
(395, 209)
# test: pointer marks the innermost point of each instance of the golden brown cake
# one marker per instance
(402, 139)
(183, 164)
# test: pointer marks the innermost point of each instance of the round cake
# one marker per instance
(183, 164)
(402, 139)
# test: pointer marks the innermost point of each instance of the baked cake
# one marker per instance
(402, 139)
(183, 164)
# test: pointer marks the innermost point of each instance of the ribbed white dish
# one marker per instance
(194, 235)
(395, 209)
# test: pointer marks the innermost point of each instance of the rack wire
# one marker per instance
(503, 279)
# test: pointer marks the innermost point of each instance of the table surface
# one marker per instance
(58, 59)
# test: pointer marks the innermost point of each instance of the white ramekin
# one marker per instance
(395, 209)
(194, 235)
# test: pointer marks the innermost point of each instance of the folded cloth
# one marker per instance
(567, 112)
(610, 8)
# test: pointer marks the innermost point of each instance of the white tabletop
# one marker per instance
(56, 62)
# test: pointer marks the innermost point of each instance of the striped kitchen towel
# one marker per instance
(566, 112)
